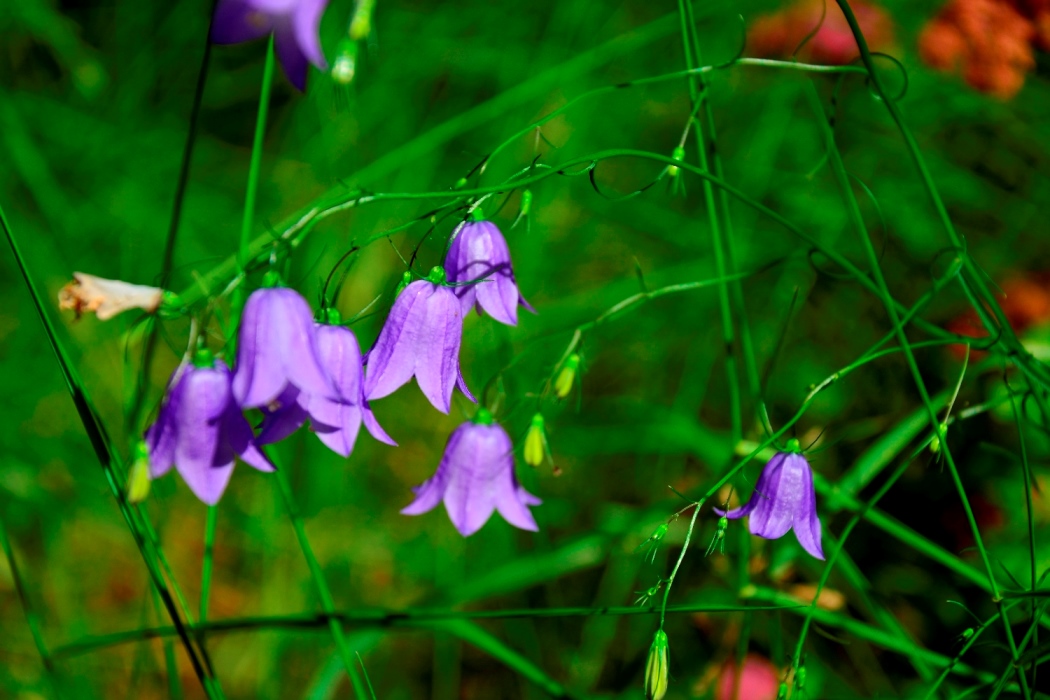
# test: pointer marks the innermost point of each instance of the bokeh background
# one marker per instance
(95, 103)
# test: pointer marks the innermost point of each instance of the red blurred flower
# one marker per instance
(1025, 302)
(988, 41)
(759, 680)
(779, 34)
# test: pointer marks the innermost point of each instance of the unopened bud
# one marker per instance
(656, 671)
(139, 477)
(563, 384)
(677, 155)
(345, 64)
(535, 442)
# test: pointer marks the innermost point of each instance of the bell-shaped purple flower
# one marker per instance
(294, 24)
(421, 337)
(478, 262)
(200, 428)
(277, 348)
(783, 500)
(476, 477)
(336, 422)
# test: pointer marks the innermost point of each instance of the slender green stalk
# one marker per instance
(698, 97)
(383, 619)
(134, 412)
(678, 564)
(857, 221)
(254, 166)
(107, 458)
(206, 564)
(323, 593)
(28, 609)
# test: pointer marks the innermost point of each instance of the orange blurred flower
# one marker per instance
(778, 35)
(988, 41)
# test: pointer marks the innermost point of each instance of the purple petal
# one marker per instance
(340, 357)
(288, 417)
(198, 424)
(776, 497)
(807, 523)
(238, 439)
(336, 424)
(437, 363)
(293, 329)
(462, 383)
(392, 360)
(161, 436)
(259, 376)
(373, 425)
(291, 55)
(737, 512)
(482, 476)
(512, 505)
(306, 23)
(237, 21)
(431, 491)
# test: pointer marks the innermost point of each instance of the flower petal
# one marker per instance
(161, 436)
(512, 505)
(437, 364)
(285, 420)
(259, 376)
(292, 329)
(237, 21)
(431, 491)
(306, 24)
(198, 425)
(392, 360)
(807, 522)
(778, 492)
(373, 425)
(290, 54)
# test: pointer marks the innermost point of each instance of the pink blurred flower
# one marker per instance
(779, 34)
(759, 680)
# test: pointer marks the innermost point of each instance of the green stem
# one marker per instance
(254, 166)
(323, 592)
(857, 221)
(678, 564)
(206, 565)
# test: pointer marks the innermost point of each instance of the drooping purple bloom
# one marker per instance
(277, 348)
(294, 23)
(478, 262)
(421, 337)
(783, 500)
(476, 477)
(336, 422)
(199, 430)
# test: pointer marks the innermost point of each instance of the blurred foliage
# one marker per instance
(94, 112)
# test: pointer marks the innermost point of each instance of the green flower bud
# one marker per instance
(656, 671)
(138, 476)
(535, 442)
(563, 384)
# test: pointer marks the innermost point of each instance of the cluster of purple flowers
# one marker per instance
(294, 369)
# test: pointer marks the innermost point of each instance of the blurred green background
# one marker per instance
(95, 102)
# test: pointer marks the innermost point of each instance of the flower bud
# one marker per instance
(535, 442)
(656, 672)
(526, 202)
(678, 155)
(345, 64)
(139, 477)
(563, 384)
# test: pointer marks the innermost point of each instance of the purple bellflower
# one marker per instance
(277, 348)
(476, 477)
(783, 500)
(478, 262)
(294, 24)
(200, 428)
(421, 337)
(336, 422)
